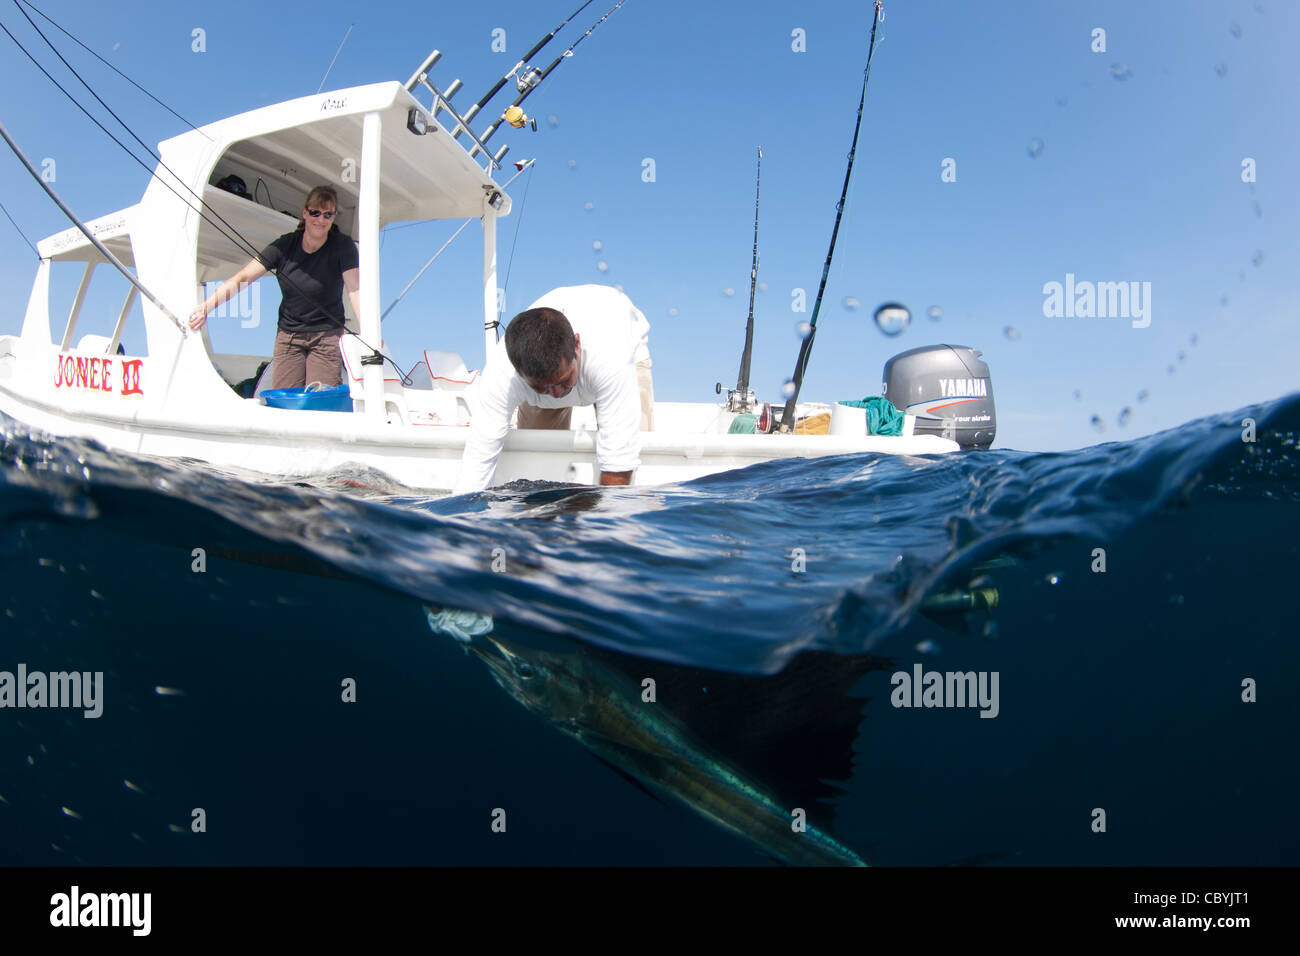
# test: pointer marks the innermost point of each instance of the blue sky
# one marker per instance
(1139, 178)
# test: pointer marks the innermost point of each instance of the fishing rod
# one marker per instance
(473, 110)
(742, 381)
(103, 250)
(801, 364)
(533, 79)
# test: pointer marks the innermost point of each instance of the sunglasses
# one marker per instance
(316, 214)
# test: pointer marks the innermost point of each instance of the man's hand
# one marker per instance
(616, 477)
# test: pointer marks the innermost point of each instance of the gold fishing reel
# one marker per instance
(514, 115)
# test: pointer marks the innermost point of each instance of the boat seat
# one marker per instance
(98, 344)
(448, 370)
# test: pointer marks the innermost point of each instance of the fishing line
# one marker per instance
(19, 228)
(336, 56)
(511, 261)
(116, 70)
(247, 245)
(801, 364)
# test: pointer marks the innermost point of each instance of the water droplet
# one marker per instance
(1097, 423)
(1035, 148)
(1223, 300)
(1258, 258)
(602, 266)
(1143, 395)
(1121, 71)
(1078, 395)
(589, 206)
(1195, 339)
(175, 828)
(787, 390)
(1054, 578)
(553, 120)
(597, 246)
(168, 691)
(893, 318)
(1012, 333)
(762, 287)
(1259, 210)
(133, 787)
(1182, 356)
(728, 291)
(71, 813)
(1062, 100)
(672, 310)
(927, 647)
(850, 303)
(991, 630)
(934, 313)
(573, 164)
(619, 287)
(1221, 69)
(1125, 414)
(1172, 370)
(803, 329)
(1235, 30)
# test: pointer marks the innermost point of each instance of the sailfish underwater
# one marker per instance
(751, 754)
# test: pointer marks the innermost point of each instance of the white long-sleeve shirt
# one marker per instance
(613, 336)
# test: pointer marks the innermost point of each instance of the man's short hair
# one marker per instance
(537, 341)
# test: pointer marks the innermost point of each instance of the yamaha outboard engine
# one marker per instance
(948, 389)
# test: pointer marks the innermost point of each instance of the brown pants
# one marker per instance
(531, 416)
(301, 358)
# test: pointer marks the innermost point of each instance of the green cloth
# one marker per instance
(882, 417)
(743, 425)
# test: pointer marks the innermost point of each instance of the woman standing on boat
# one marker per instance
(314, 264)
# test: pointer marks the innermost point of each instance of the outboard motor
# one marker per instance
(948, 389)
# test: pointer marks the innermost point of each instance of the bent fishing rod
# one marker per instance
(805, 350)
(532, 79)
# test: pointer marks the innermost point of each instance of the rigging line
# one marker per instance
(336, 56)
(19, 228)
(511, 261)
(103, 250)
(116, 70)
(246, 244)
(801, 364)
(416, 278)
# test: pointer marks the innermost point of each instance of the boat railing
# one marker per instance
(442, 103)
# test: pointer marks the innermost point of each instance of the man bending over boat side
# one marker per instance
(577, 345)
(314, 265)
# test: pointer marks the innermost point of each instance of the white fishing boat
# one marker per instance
(177, 398)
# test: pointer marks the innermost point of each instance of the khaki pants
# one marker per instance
(531, 416)
(301, 358)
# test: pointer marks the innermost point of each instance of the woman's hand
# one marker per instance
(199, 316)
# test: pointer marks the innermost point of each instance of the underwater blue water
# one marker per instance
(771, 606)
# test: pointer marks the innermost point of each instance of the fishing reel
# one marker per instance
(516, 118)
(526, 80)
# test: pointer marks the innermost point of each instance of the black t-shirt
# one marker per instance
(311, 284)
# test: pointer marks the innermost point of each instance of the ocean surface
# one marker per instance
(310, 665)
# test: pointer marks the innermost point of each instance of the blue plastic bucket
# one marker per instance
(336, 399)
